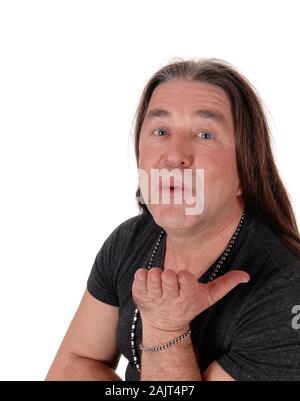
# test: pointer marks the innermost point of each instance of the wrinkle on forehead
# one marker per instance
(185, 98)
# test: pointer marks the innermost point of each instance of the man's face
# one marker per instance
(195, 130)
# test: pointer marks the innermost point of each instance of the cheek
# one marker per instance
(220, 167)
(143, 158)
(147, 157)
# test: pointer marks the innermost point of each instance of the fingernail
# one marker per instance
(246, 280)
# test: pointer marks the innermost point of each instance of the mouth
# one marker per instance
(173, 187)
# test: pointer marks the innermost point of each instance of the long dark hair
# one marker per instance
(263, 190)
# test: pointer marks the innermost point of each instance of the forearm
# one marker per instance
(174, 363)
(74, 367)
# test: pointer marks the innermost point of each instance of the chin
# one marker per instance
(172, 216)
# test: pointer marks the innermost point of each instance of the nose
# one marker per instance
(178, 153)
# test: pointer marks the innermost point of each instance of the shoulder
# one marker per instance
(274, 285)
(262, 332)
(134, 227)
(116, 256)
(274, 273)
(279, 263)
(130, 237)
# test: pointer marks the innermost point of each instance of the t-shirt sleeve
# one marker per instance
(101, 282)
(265, 344)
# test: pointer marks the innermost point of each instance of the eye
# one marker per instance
(206, 135)
(160, 132)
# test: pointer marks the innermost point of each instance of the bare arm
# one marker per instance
(89, 349)
(175, 363)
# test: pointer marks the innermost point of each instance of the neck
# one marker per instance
(196, 249)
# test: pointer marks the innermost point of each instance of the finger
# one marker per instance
(218, 288)
(154, 288)
(139, 286)
(170, 287)
(187, 282)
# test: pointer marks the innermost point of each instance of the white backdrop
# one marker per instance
(71, 73)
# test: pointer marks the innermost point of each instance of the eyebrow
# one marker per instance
(208, 114)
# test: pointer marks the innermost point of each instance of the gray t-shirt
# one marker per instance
(249, 331)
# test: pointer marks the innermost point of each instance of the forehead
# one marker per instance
(187, 97)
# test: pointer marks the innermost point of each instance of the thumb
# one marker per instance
(218, 288)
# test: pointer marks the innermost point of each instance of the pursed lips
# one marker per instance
(171, 186)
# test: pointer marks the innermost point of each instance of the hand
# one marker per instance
(168, 301)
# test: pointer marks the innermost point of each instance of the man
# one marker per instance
(203, 296)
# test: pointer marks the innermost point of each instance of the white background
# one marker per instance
(71, 73)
